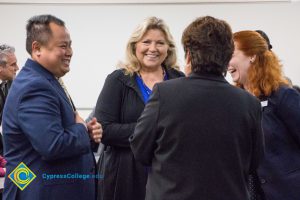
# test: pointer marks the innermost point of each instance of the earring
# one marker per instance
(252, 59)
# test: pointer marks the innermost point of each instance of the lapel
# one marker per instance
(2, 94)
(49, 76)
(62, 93)
(129, 81)
(2, 101)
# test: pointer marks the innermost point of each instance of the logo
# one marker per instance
(22, 176)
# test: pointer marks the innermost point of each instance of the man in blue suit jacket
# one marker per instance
(40, 125)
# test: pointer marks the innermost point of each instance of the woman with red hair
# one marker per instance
(256, 68)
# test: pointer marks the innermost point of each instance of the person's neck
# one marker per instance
(151, 76)
(246, 87)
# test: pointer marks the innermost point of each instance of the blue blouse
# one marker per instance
(146, 91)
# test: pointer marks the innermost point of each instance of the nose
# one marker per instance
(17, 67)
(69, 51)
(152, 46)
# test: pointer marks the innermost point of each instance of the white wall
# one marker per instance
(100, 32)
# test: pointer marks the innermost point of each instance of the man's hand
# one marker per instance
(95, 130)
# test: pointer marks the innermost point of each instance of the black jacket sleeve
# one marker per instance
(108, 111)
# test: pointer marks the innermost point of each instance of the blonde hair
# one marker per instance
(132, 63)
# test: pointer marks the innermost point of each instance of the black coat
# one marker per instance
(202, 137)
(3, 95)
(118, 107)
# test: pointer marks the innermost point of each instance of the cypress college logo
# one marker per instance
(22, 176)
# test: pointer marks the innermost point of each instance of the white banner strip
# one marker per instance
(133, 1)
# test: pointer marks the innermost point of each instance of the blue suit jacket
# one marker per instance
(39, 130)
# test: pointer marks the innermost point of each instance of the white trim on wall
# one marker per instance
(132, 1)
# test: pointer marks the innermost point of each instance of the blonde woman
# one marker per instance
(151, 58)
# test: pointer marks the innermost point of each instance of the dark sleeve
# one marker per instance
(289, 112)
(257, 138)
(145, 134)
(108, 113)
(255, 188)
(39, 116)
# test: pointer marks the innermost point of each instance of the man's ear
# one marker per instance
(36, 48)
(188, 66)
(188, 58)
